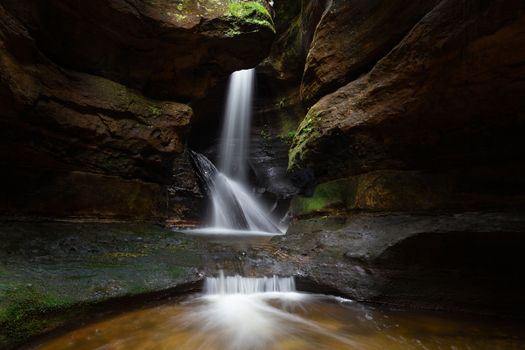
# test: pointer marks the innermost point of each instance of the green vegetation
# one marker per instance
(265, 134)
(329, 196)
(287, 138)
(280, 103)
(27, 310)
(307, 129)
(247, 8)
(252, 12)
(87, 264)
(308, 123)
(155, 111)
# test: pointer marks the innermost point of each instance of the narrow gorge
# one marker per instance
(287, 174)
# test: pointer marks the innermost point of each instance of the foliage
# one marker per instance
(280, 103)
(253, 12)
(288, 137)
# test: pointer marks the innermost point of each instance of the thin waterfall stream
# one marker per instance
(235, 209)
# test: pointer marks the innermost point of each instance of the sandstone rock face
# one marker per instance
(277, 105)
(89, 125)
(295, 23)
(164, 48)
(413, 142)
(454, 262)
(449, 93)
(458, 190)
(351, 37)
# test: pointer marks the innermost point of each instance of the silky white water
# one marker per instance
(235, 137)
(235, 210)
(252, 312)
(248, 285)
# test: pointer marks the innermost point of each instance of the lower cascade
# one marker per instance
(267, 313)
(253, 313)
(248, 285)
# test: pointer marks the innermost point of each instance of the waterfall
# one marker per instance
(248, 285)
(234, 206)
(254, 313)
(235, 138)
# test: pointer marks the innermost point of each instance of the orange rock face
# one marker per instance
(448, 94)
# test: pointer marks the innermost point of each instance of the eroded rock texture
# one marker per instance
(415, 112)
(278, 107)
(351, 37)
(90, 126)
(450, 94)
(165, 48)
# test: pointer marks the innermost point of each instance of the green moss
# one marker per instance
(265, 132)
(109, 261)
(234, 30)
(27, 310)
(308, 129)
(335, 195)
(247, 8)
(175, 271)
(252, 12)
(287, 138)
(156, 111)
(280, 103)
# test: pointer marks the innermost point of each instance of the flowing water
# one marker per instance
(235, 209)
(235, 137)
(238, 313)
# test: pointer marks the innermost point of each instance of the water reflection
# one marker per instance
(285, 321)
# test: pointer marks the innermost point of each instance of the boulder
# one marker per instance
(450, 93)
(351, 37)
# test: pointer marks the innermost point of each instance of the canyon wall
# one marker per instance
(95, 98)
(411, 146)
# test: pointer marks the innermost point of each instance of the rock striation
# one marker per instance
(90, 94)
(414, 124)
(448, 95)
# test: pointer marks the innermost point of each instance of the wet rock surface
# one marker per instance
(457, 262)
(53, 273)
(90, 124)
(163, 48)
(439, 98)
(351, 37)
(436, 262)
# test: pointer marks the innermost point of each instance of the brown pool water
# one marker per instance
(285, 321)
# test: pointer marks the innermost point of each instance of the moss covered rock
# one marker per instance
(411, 110)
(65, 270)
